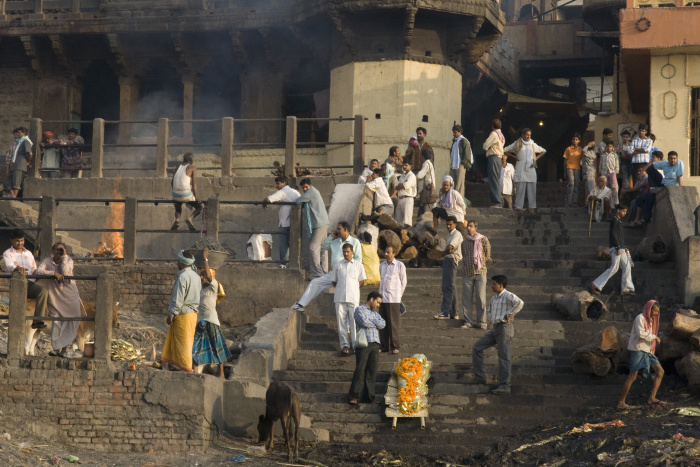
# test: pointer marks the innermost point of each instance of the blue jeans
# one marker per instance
(449, 288)
(284, 242)
(494, 164)
(500, 336)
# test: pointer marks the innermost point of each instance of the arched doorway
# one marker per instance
(100, 99)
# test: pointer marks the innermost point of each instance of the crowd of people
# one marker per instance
(60, 157)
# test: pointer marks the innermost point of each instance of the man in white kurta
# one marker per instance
(407, 191)
(526, 152)
(347, 278)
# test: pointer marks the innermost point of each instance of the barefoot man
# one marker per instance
(642, 344)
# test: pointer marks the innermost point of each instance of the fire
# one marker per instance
(112, 244)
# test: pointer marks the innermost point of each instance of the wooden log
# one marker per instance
(597, 357)
(602, 253)
(653, 249)
(386, 222)
(689, 366)
(695, 340)
(580, 306)
(403, 235)
(683, 326)
(409, 253)
(672, 348)
(388, 237)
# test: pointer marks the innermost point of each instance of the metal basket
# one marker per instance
(216, 258)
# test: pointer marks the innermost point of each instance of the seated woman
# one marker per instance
(64, 299)
(209, 343)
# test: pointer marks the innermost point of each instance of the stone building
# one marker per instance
(399, 63)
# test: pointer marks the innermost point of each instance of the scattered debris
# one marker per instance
(123, 351)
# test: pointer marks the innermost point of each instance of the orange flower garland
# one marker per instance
(411, 370)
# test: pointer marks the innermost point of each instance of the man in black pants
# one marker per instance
(19, 258)
(367, 358)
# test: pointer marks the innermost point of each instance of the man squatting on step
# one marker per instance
(618, 254)
(334, 242)
(642, 343)
(502, 310)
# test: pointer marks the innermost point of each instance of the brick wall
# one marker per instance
(115, 411)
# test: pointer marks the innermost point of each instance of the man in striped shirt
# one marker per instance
(367, 358)
(641, 148)
(502, 310)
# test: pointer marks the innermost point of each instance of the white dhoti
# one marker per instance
(404, 211)
(599, 204)
(616, 260)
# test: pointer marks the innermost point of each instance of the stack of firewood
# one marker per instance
(416, 242)
(682, 345)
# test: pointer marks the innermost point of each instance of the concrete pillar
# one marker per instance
(98, 149)
(103, 318)
(47, 227)
(358, 149)
(35, 130)
(162, 151)
(261, 97)
(295, 232)
(18, 305)
(130, 223)
(227, 147)
(290, 148)
(213, 210)
(190, 89)
(128, 103)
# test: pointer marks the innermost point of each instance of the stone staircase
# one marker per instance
(549, 194)
(23, 216)
(542, 253)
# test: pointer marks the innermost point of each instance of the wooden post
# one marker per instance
(162, 152)
(290, 148)
(227, 147)
(103, 318)
(358, 150)
(131, 209)
(47, 227)
(18, 306)
(295, 233)
(98, 149)
(35, 135)
(213, 208)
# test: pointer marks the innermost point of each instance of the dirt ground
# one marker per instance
(642, 436)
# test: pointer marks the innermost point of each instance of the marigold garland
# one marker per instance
(411, 370)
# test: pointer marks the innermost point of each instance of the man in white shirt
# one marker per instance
(333, 243)
(392, 286)
(452, 255)
(347, 277)
(382, 200)
(21, 259)
(407, 191)
(507, 183)
(285, 194)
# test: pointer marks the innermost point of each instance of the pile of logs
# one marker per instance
(652, 249)
(415, 242)
(682, 344)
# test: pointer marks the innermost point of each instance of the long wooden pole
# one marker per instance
(590, 218)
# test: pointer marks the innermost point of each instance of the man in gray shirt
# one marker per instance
(21, 160)
(316, 226)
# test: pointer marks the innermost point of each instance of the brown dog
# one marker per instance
(86, 329)
(281, 401)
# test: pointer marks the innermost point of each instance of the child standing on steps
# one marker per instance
(573, 156)
(502, 310)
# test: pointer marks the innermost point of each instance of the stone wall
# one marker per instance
(111, 411)
(147, 288)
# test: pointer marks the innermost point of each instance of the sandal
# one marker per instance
(190, 226)
(395, 351)
(594, 289)
(175, 226)
(345, 351)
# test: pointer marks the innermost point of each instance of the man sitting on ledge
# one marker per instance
(18, 257)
